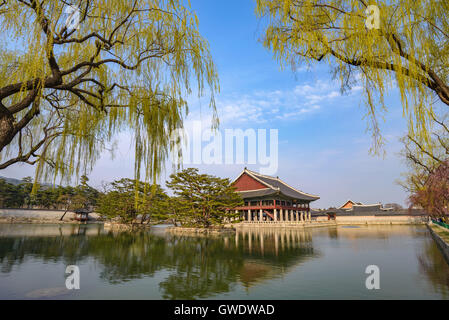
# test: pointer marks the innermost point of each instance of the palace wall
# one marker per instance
(36, 215)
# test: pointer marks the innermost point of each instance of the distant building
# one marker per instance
(269, 199)
(366, 207)
(350, 208)
(349, 204)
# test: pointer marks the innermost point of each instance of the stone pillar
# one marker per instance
(275, 212)
(310, 216)
(250, 218)
(302, 216)
(260, 215)
(281, 213)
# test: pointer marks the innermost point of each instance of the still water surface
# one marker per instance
(322, 263)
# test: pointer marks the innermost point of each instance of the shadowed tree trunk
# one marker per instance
(64, 214)
(6, 129)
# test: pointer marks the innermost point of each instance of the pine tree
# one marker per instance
(202, 200)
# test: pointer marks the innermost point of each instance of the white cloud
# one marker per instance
(261, 107)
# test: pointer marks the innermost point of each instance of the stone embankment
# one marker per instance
(441, 237)
(40, 216)
(344, 220)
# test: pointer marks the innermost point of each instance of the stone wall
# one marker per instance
(38, 216)
(439, 234)
(343, 220)
(379, 219)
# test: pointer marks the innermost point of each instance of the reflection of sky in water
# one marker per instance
(253, 264)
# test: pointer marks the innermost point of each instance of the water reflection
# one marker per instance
(433, 265)
(197, 267)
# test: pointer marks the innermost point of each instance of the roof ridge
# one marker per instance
(254, 176)
(284, 183)
(307, 194)
(349, 200)
(262, 175)
(367, 205)
(259, 177)
(255, 190)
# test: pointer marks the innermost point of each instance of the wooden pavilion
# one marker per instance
(82, 215)
(269, 199)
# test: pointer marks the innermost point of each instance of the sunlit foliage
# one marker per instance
(409, 50)
(67, 89)
(131, 201)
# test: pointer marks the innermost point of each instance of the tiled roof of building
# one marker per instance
(257, 193)
(275, 185)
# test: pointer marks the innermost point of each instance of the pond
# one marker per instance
(269, 264)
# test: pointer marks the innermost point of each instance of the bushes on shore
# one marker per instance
(198, 200)
(47, 197)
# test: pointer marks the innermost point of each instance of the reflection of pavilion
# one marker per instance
(270, 252)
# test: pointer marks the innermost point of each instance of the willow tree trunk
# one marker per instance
(6, 129)
(60, 219)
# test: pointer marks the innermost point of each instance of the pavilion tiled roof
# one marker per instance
(258, 193)
(274, 185)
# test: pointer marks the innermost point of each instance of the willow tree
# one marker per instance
(401, 44)
(72, 78)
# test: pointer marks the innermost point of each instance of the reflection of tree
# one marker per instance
(127, 256)
(202, 267)
(333, 233)
(71, 249)
(435, 267)
(199, 267)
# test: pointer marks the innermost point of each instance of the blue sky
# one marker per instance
(323, 143)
